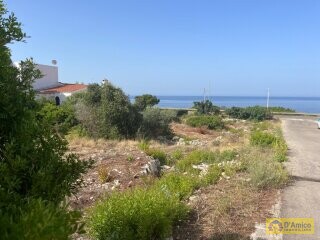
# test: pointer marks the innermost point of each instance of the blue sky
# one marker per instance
(173, 47)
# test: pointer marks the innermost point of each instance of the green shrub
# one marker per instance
(157, 154)
(174, 157)
(105, 111)
(196, 157)
(177, 184)
(206, 107)
(156, 122)
(144, 101)
(252, 113)
(280, 154)
(265, 173)
(177, 154)
(137, 214)
(62, 117)
(260, 138)
(41, 220)
(280, 148)
(130, 158)
(181, 112)
(144, 145)
(227, 155)
(276, 141)
(211, 122)
(212, 176)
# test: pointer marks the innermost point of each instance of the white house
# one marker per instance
(49, 86)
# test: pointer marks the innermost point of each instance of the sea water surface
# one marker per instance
(300, 104)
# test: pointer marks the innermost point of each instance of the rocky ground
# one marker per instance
(228, 209)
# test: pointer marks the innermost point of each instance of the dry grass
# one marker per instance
(184, 130)
(226, 210)
(229, 208)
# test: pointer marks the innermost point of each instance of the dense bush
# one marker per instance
(36, 172)
(62, 117)
(211, 122)
(105, 111)
(206, 107)
(144, 101)
(156, 122)
(137, 214)
(41, 220)
(252, 113)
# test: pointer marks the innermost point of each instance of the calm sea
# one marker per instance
(300, 104)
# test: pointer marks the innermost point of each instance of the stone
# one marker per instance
(175, 138)
(193, 198)
(152, 167)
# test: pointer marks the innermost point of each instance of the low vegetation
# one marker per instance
(177, 184)
(137, 214)
(157, 154)
(206, 107)
(264, 170)
(272, 140)
(156, 122)
(257, 113)
(281, 109)
(211, 122)
(62, 118)
(124, 215)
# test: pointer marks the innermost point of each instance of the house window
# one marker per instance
(57, 101)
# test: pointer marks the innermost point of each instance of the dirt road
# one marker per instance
(302, 198)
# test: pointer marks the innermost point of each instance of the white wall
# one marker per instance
(49, 79)
(62, 96)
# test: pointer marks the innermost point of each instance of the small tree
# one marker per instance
(144, 101)
(118, 117)
(105, 111)
(156, 122)
(206, 107)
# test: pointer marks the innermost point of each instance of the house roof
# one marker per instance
(64, 88)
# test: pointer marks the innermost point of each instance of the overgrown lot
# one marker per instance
(195, 169)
